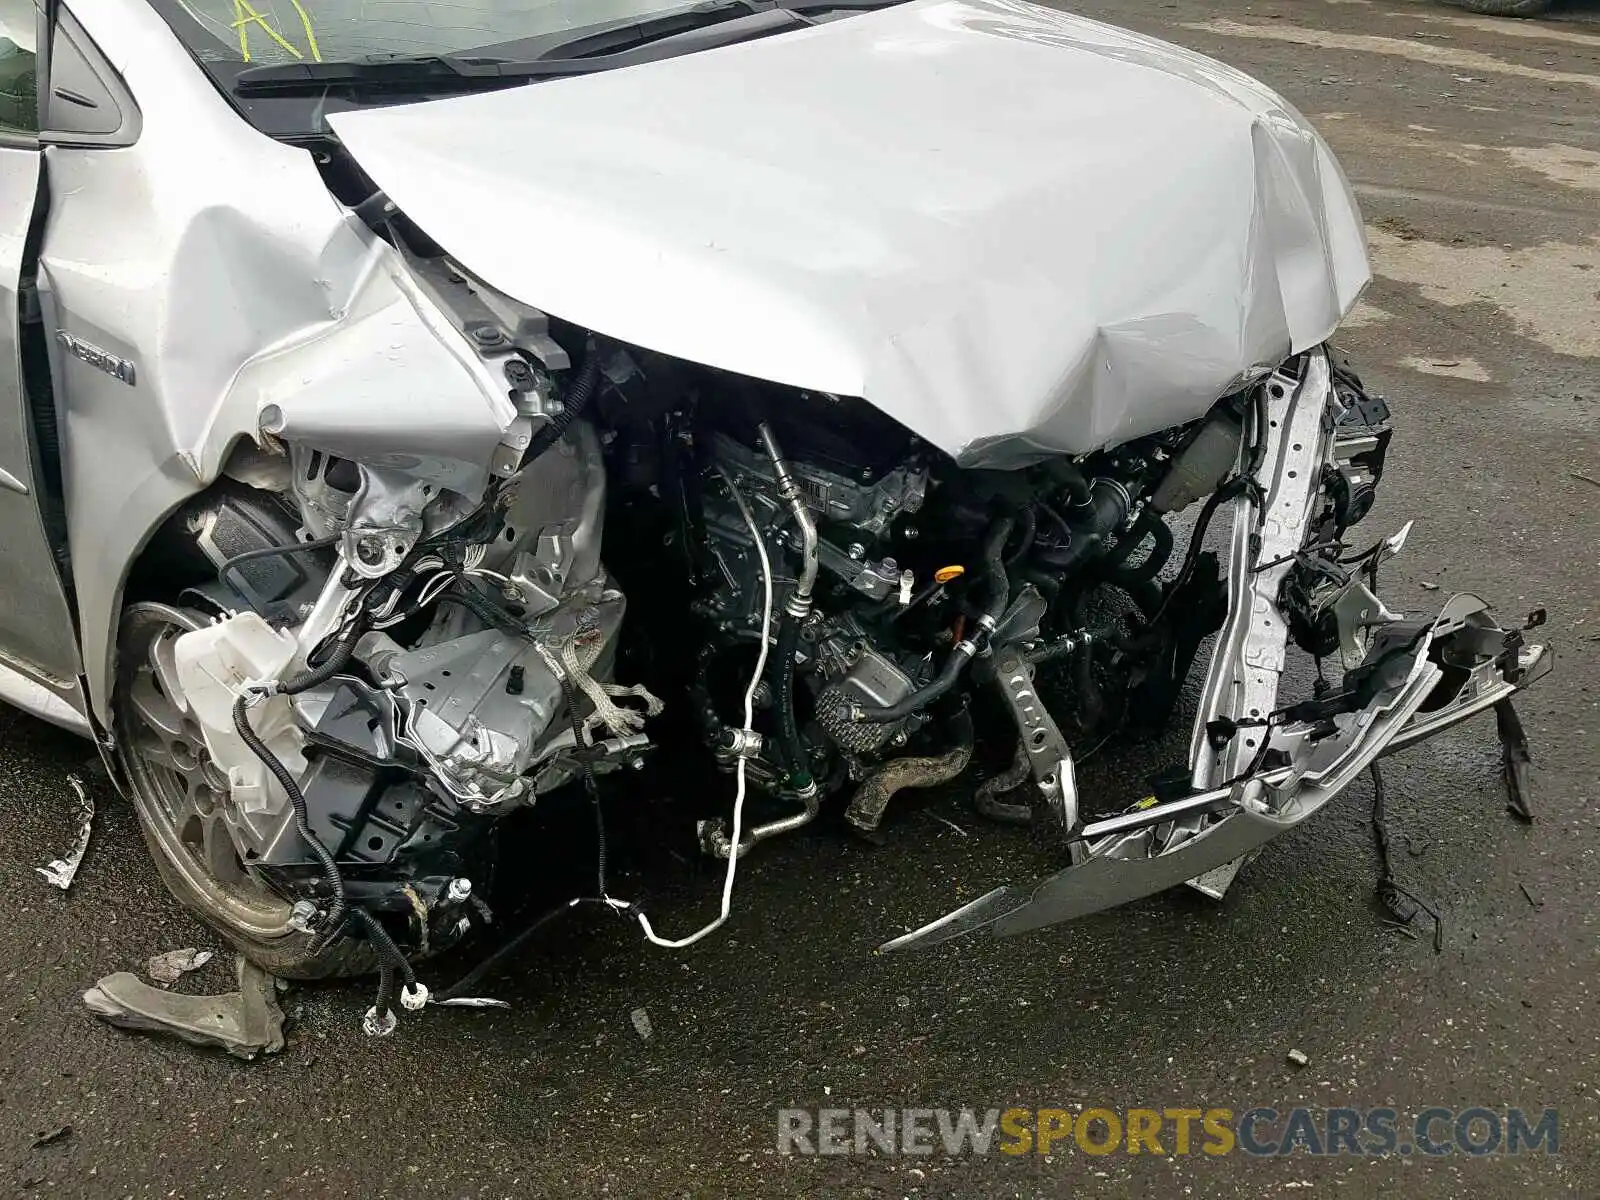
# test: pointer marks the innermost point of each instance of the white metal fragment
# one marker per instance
(471, 1002)
(60, 872)
(641, 1023)
(166, 969)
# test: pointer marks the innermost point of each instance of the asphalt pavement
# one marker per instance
(1474, 147)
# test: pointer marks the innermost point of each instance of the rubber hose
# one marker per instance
(1049, 585)
(1160, 552)
(1054, 517)
(792, 748)
(343, 649)
(1000, 596)
(297, 802)
(1073, 480)
(922, 697)
(1149, 525)
(1106, 511)
(1028, 524)
(1091, 702)
(994, 567)
(871, 800)
(573, 404)
(1129, 540)
(987, 798)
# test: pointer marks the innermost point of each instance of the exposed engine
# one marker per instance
(897, 574)
(822, 605)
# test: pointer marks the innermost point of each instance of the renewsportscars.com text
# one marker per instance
(1259, 1131)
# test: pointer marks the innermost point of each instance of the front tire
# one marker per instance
(180, 797)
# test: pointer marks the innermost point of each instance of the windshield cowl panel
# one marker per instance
(286, 65)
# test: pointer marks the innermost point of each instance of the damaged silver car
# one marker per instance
(403, 421)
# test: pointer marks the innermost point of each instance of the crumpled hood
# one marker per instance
(1014, 230)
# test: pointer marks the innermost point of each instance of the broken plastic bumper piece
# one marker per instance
(1260, 767)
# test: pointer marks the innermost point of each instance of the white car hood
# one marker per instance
(1016, 231)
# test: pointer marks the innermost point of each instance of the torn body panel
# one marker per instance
(1260, 766)
(846, 433)
(249, 292)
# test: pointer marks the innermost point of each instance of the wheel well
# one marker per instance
(183, 556)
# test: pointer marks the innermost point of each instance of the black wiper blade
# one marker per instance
(612, 37)
(426, 74)
(703, 27)
(422, 73)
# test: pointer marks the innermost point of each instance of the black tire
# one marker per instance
(1502, 8)
(166, 787)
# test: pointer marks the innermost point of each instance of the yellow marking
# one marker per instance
(239, 23)
(251, 17)
(311, 37)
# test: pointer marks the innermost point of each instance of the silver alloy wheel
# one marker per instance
(179, 792)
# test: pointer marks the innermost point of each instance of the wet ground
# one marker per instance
(1474, 145)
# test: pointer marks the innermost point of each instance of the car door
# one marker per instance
(36, 628)
(69, 96)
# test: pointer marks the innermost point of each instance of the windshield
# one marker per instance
(267, 32)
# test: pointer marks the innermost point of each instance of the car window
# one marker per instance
(279, 31)
(19, 100)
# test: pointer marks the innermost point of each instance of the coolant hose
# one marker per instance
(1149, 525)
(577, 398)
(872, 798)
(1071, 478)
(964, 651)
(1092, 705)
(994, 567)
(1090, 524)
(923, 696)
(1027, 527)
(796, 760)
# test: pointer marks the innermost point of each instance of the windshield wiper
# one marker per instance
(708, 25)
(625, 35)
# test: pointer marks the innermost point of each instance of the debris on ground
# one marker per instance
(166, 969)
(1532, 899)
(60, 872)
(49, 1138)
(1429, 587)
(470, 1002)
(641, 1023)
(1298, 1058)
(1516, 764)
(245, 1023)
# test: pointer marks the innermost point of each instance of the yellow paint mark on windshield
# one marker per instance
(245, 15)
(311, 37)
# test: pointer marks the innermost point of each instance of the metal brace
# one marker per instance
(1049, 758)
